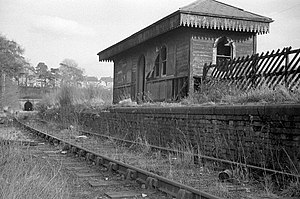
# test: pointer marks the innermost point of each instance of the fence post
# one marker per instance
(205, 70)
(287, 61)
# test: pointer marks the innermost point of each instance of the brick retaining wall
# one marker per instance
(261, 135)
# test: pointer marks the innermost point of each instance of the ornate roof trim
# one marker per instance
(219, 23)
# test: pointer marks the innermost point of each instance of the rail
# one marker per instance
(240, 164)
(151, 180)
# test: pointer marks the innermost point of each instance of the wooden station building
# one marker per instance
(162, 61)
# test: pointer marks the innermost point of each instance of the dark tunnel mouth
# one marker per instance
(28, 106)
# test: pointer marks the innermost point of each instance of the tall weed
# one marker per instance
(27, 177)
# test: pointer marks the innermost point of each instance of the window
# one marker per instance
(224, 49)
(160, 64)
(156, 66)
(163, 53)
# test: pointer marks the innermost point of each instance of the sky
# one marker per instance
(52, 30)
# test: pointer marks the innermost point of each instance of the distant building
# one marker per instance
(164, 60)
(27, 77)
(106, 82)
(90, 81)
(56, 80)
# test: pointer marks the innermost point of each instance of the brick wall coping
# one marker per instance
(270, 110)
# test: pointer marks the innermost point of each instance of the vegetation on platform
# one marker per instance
(219, 93)
(222, 93)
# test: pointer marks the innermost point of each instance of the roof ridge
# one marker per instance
(214, 1)
(240, 9)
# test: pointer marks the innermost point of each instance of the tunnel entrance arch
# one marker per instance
(28, 106)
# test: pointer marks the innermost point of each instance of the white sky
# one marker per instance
(52, 30)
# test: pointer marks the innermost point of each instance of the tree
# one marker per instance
(41, 68)
(42, 73)
(11, 56)
(11, 64)
(70, 73)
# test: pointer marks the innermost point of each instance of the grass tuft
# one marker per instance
(224, 93)
(25, 176)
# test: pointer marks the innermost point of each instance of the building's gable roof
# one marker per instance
(91, 79)
(218, 9)
(106, 79)
(207, 14)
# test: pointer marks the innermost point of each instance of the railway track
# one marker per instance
(150, 180)
(196, 156)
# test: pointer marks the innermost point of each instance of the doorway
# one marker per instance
(140, 79)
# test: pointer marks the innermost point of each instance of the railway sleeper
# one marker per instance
(55, 142)
(130, 174)
(99, 161)
(113, 167)
(50, 139)
(89, 157)
(81, 153)
(151, 183)
(73, 149)
(184, 194)
(66, 147)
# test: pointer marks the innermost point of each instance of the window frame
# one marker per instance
(163, 56)
(217, 56)
(157, 66)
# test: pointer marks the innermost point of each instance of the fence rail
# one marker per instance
(270, 68)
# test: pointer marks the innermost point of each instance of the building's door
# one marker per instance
(140, 87)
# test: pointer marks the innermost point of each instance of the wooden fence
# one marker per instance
(276, 68)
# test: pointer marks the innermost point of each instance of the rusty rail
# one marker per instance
(229, 162)
(151, 180)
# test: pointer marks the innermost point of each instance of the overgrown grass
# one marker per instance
(70, 101)
(25, 176)
(90, 97)
(222, 92)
